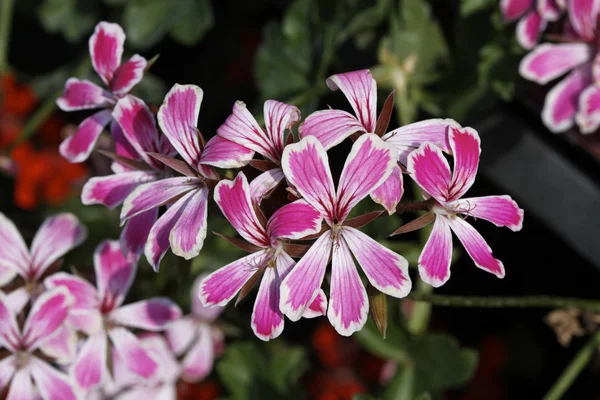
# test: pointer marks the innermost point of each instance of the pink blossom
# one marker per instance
(26, 375)
(428, 167)
(576, 98)
(106, 50)
(306, 167)
(331, 127)
(197, 338)
(183, 226)
(533, 16)
(100, 314)
(291, 222)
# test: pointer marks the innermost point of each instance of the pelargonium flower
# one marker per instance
(197, 338)
(576, 98)
(533, 16)
(269, 259)
(24, 363)
(331, 127)
(135, 133)
(241, 127)
(183, 226)
(428, 167)
(57, 236)
(100, 314)
(370, 162)
(106, 50)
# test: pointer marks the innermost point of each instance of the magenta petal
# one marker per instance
(300, 287)
(241, 127)
(46, 316)
(434, 261)
(466, 148)
(150, 315)
(222, 153)
(294, 221)
(114, 273)
(83, 293)
(7, 370)
(180, 334)
(62, 345)
(128, 75)
(134, 356)
(106, 49)
(9, 330)
(279, 117)
(513, 9)
(499, 210)
(207, 314)
(548, 61)
(14, 255)
(562, 101)
(306, 167)
(389, 193)
(111, 190)
(219, 287)
(477, 247)
(51, 383)
(267, 321)
(318, 307)
(21, 387)
(6, 274)
(135, 233)
(583, 15)
(233, 198)
(178, 117)
(360, 89)
(122, 148)
(90, 370)
(87, 320)
(588, 116)
(428, 167)
(529, 29)
(331, 127)
(386, 270)
(262, 186)
(348, 304)
(18, 299)
(170, 370)
(77, 147)
(188, 234)
(198, 362)
(83, 95)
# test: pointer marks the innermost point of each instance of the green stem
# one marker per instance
(574, 368)
(419, 320)
(6, 11)
(506, 302)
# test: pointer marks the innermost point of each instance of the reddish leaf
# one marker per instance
(295, 250)
(249, 284)
(386, 114)
(263, 165)
(135, 164)
(239, 243)
(413, 225)
(362, 220)
(173, 163)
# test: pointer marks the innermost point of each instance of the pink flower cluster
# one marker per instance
(165, 173)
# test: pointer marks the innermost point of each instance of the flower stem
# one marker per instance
(6, 12)
(419, 319)
(424, 205)
(574, 368)
(507, 302)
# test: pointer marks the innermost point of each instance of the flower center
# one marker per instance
(21, 359)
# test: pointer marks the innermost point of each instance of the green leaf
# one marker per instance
(74, 19)
(238, 367)
(152, 89)
(195, 23)
(287, 366)
(468, 7)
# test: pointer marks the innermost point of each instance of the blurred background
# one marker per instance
(444, 58)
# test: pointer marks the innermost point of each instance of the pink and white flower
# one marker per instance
(428, 167)
(197, 338)
(576, 98)
(533, 16)
(106, 50)
(99, 313)
(27, 375)
(241, 127)
(331, 127)
(291, 222)
(306, 167)
(183, 226)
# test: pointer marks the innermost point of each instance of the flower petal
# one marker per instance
(178, 118)
(6, 274)
(466, 148)
(81, 94)
(588, 115)
(21, 387)
(106, 49)
(294, 221)
(51, 383)
(318, 307)
(529, 29)
(348, 303)
(132, 353)
(499, 210)
(549, 9)
(548, 61)
(267, 321)
(87, 320)
(83, 293)
(90, 369)
(114, 273)
(369, 164)
(262, 186)
(61, 346)
(300, 287)
(434, 261)
(331, 127)
(14, 254)
(122, 148)
(306, 167)
(9, 330)
(180, 334)
(513, 9)
(241, 127)
(111, 190)
(360, 89)
(46, 316)
(157, 193)
(386, 270)
(583, 15)
(7, 370)
(477, 247)
(222, 153)
(561, 102)
(219, 287)
(128, 75)
(18, 299)
(150, 315)
(428, 167)
(199, 311)
(233, 198)
(77, 147)
(135, 233)
(198, 361)
(279, 117)
(389, 193)
(188, 234)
